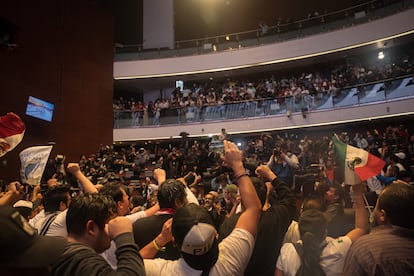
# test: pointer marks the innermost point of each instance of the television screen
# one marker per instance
(39, 109)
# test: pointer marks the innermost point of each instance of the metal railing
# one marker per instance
(367, 93)
(282, 31)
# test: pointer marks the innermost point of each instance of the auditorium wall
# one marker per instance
(63, 55)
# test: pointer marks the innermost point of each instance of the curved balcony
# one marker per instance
(282, 31)
(387, 98)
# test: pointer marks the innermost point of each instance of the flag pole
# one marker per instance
(367, 204)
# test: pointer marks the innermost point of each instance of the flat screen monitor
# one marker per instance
(40, 109)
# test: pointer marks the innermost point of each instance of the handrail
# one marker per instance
(349, 96)
(254, 36)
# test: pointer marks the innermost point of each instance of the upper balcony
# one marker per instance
(377, 29)
(281, 32)
(369, 101)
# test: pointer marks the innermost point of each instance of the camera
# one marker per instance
(59, 159)
(189, 179)
(276, 152)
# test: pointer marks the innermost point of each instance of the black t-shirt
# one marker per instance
(147, 229)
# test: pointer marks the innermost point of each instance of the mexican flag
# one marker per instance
(12, 131)
(358, 165)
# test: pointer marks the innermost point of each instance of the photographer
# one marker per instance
(283, 163)
(173, 164)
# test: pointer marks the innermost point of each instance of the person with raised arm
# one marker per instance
(388, 248)
(92, 224)
(196, 237)
(316, 253)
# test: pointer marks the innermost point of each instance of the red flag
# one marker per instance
(12, 130)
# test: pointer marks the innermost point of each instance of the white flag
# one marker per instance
(33, 162)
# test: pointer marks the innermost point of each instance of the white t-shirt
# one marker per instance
(332, 257)
(234, 254)
(41, 218)
(109, 254)
(37, 219)
(292, 234)
(58, 226)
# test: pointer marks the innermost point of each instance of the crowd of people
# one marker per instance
(274, 205)
(254, 97)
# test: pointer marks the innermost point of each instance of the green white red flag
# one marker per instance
(358, 164)
(12, 131)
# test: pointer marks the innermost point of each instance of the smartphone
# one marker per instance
(216, 147)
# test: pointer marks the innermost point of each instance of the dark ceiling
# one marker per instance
(196, 19)
(203, 18)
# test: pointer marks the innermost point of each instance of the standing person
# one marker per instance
(388, 249)
(230, 200)
(55, 200)
(196, 238)
(223, 135)
(360, 141)
(173, 164)
(210, 205)
(292, 235)
(317, 254)
(283, 163)
(90, 231)
(171, 196)
(274, 220)
(333, 207)
(23, 251)
(113, 190)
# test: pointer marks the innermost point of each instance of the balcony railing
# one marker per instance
(282, 31)
(368, 93)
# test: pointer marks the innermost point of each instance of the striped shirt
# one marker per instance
(387, 250)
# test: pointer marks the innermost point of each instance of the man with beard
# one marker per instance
(388, 249)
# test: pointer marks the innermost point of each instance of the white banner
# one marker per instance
(33, 162)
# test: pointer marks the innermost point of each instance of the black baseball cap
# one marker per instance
(21, 246)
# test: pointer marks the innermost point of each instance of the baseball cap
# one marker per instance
(23, 203)
(400, 155)
(24, 207)
(195, 235)
(21, 246)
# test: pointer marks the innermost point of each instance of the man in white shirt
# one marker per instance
(196, 237)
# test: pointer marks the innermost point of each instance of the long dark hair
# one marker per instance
(312, 228)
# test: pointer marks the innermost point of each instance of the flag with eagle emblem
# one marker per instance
(12, 131)
(357, 164)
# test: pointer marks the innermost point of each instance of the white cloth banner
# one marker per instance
(33, 162)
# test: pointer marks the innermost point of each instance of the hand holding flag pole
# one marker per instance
(357, 164)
